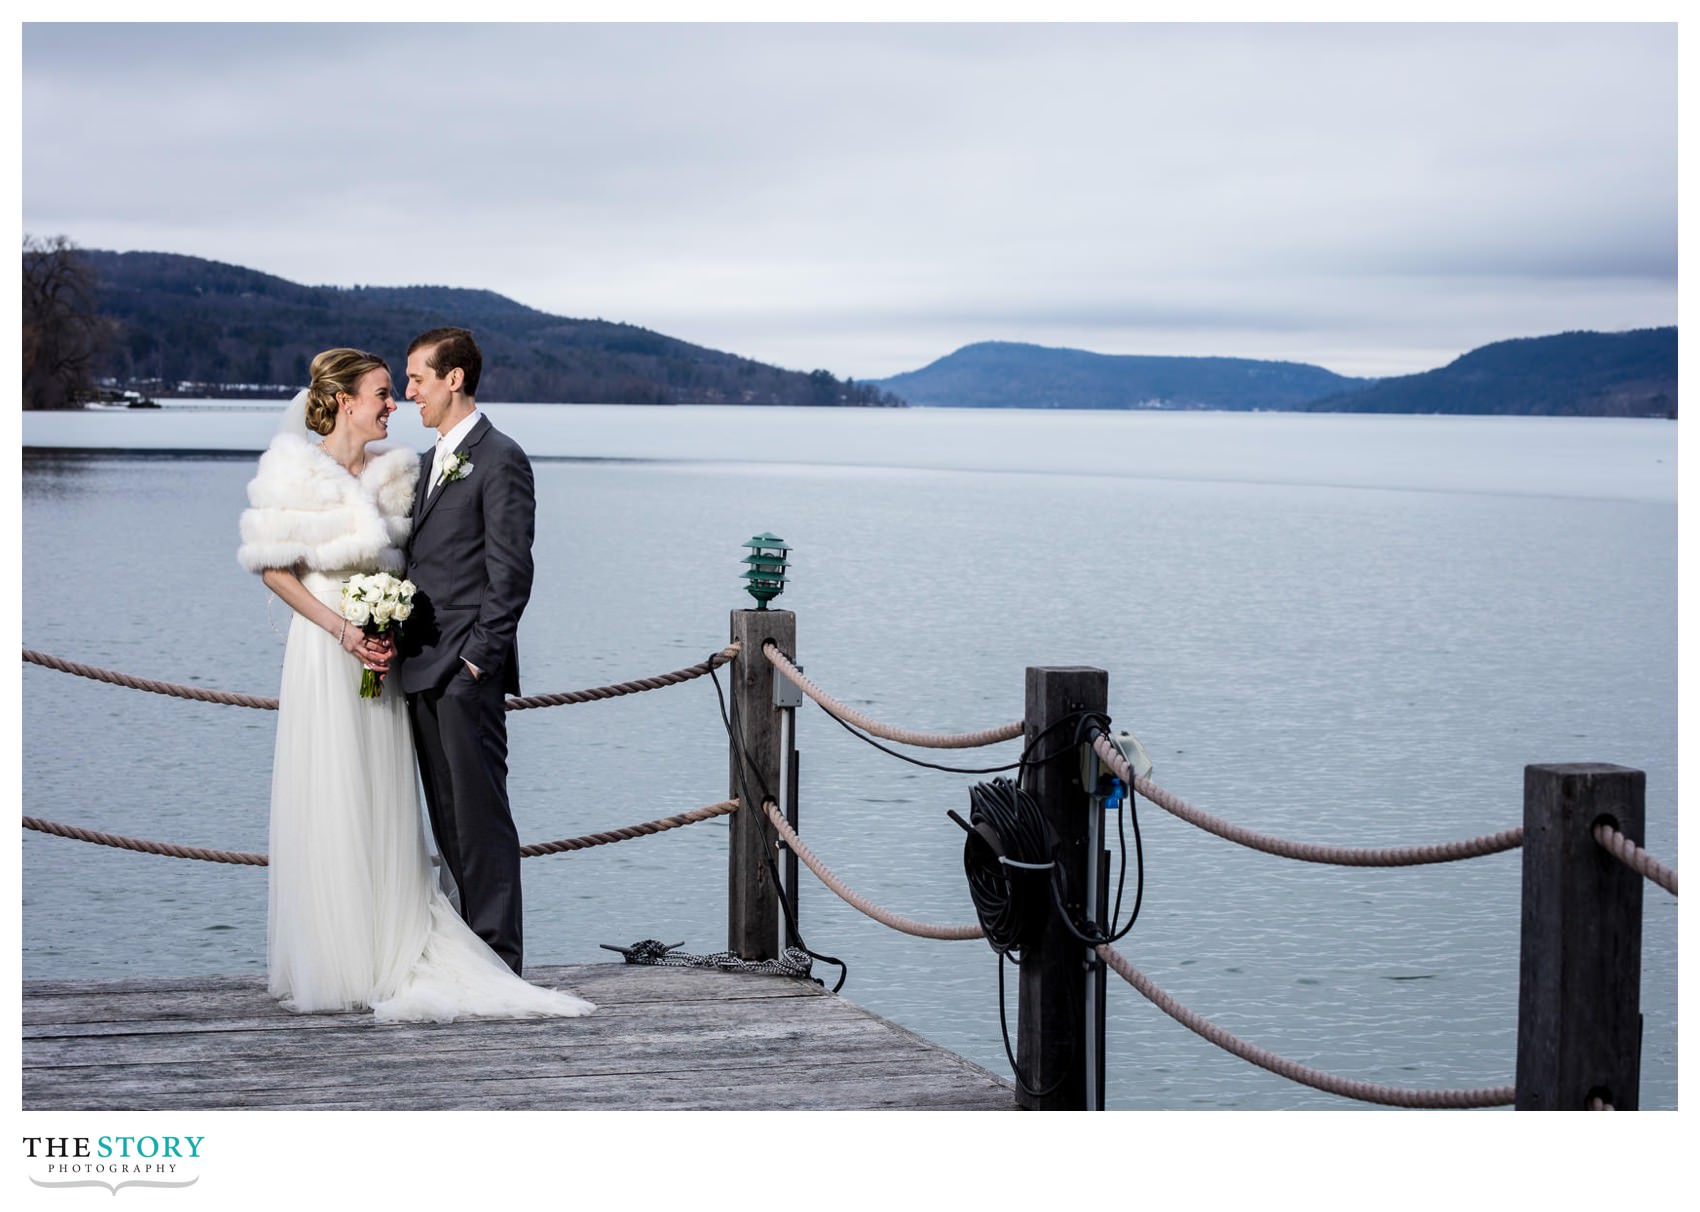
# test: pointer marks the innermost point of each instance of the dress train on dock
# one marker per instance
(354, 916)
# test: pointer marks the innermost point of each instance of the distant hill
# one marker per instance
(1593, 374)
(1002, 374)
(187, 320)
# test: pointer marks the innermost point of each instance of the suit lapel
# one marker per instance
(422, 502)
(422, 485)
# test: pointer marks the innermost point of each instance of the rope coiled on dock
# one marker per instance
(1308, 852)
(1372, 1092)
(792, 961)
(1635, 858)
(250, 859)
(903, 736)
(264, 703)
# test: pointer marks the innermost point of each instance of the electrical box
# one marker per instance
(1092, 766)
(786, 693)
(1134, 752)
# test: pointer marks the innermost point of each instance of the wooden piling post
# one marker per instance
(1051, 1048)
(1579, 1001)
(753, 920)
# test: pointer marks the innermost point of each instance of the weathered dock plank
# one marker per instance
(662, 1038)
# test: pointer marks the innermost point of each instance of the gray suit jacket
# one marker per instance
(470, 558)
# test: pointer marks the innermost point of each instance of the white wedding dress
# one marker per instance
(355, 917)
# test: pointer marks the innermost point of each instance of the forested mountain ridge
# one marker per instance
(1622, 374)
(185, 320)
(1586, 374)
(1008, 374)
(167, 324)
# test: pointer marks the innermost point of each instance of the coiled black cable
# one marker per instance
(1007, 859)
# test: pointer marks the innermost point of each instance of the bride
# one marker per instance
(354, 916)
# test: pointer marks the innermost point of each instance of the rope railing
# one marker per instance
(264, 703)
(1372, 1092)
(636, 686)
(1609, 838)
(175, 689)
(1309, 852)
(706, 812)
(903, 736)
(885, 917)
(1635, 858)
(250, 859)
(143, 845)
(1347, 1087)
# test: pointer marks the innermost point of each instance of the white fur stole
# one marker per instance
(306, 510)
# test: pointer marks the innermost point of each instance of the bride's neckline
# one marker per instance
(353, 473)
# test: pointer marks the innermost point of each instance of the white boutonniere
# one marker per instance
(458, 467)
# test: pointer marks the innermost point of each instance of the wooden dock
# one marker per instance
(661, 1039)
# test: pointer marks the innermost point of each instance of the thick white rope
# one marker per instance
(1348, 1087)
(1371, 1092)
(1635, 858)
(246, 858)
(264, 703)
(886, 918)
(903, 736)
(1309, 852)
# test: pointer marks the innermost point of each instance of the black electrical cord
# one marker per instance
(1003, 1022)
(1089, 727)
(1009, 855)
(1115, 933)
(1020, 763)
(1086, 725)
(1009, 859)
(751, 803)
(862, 736)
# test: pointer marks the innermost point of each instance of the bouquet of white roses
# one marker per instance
(375, 603)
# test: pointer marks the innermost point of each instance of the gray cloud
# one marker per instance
(866, 197)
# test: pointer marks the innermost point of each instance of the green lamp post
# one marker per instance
(765, 577)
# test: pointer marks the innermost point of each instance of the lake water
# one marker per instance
(1340, 629)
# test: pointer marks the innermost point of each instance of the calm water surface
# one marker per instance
(1341, 629)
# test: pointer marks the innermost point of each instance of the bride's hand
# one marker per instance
(375, 653)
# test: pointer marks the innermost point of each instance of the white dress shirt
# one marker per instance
(446, 445)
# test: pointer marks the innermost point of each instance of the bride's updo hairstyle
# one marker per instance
(333, 371)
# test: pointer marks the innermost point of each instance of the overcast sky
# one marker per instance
(866, 198)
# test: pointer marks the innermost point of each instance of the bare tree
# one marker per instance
(63, 328)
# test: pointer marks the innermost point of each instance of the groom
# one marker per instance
(470, 557)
